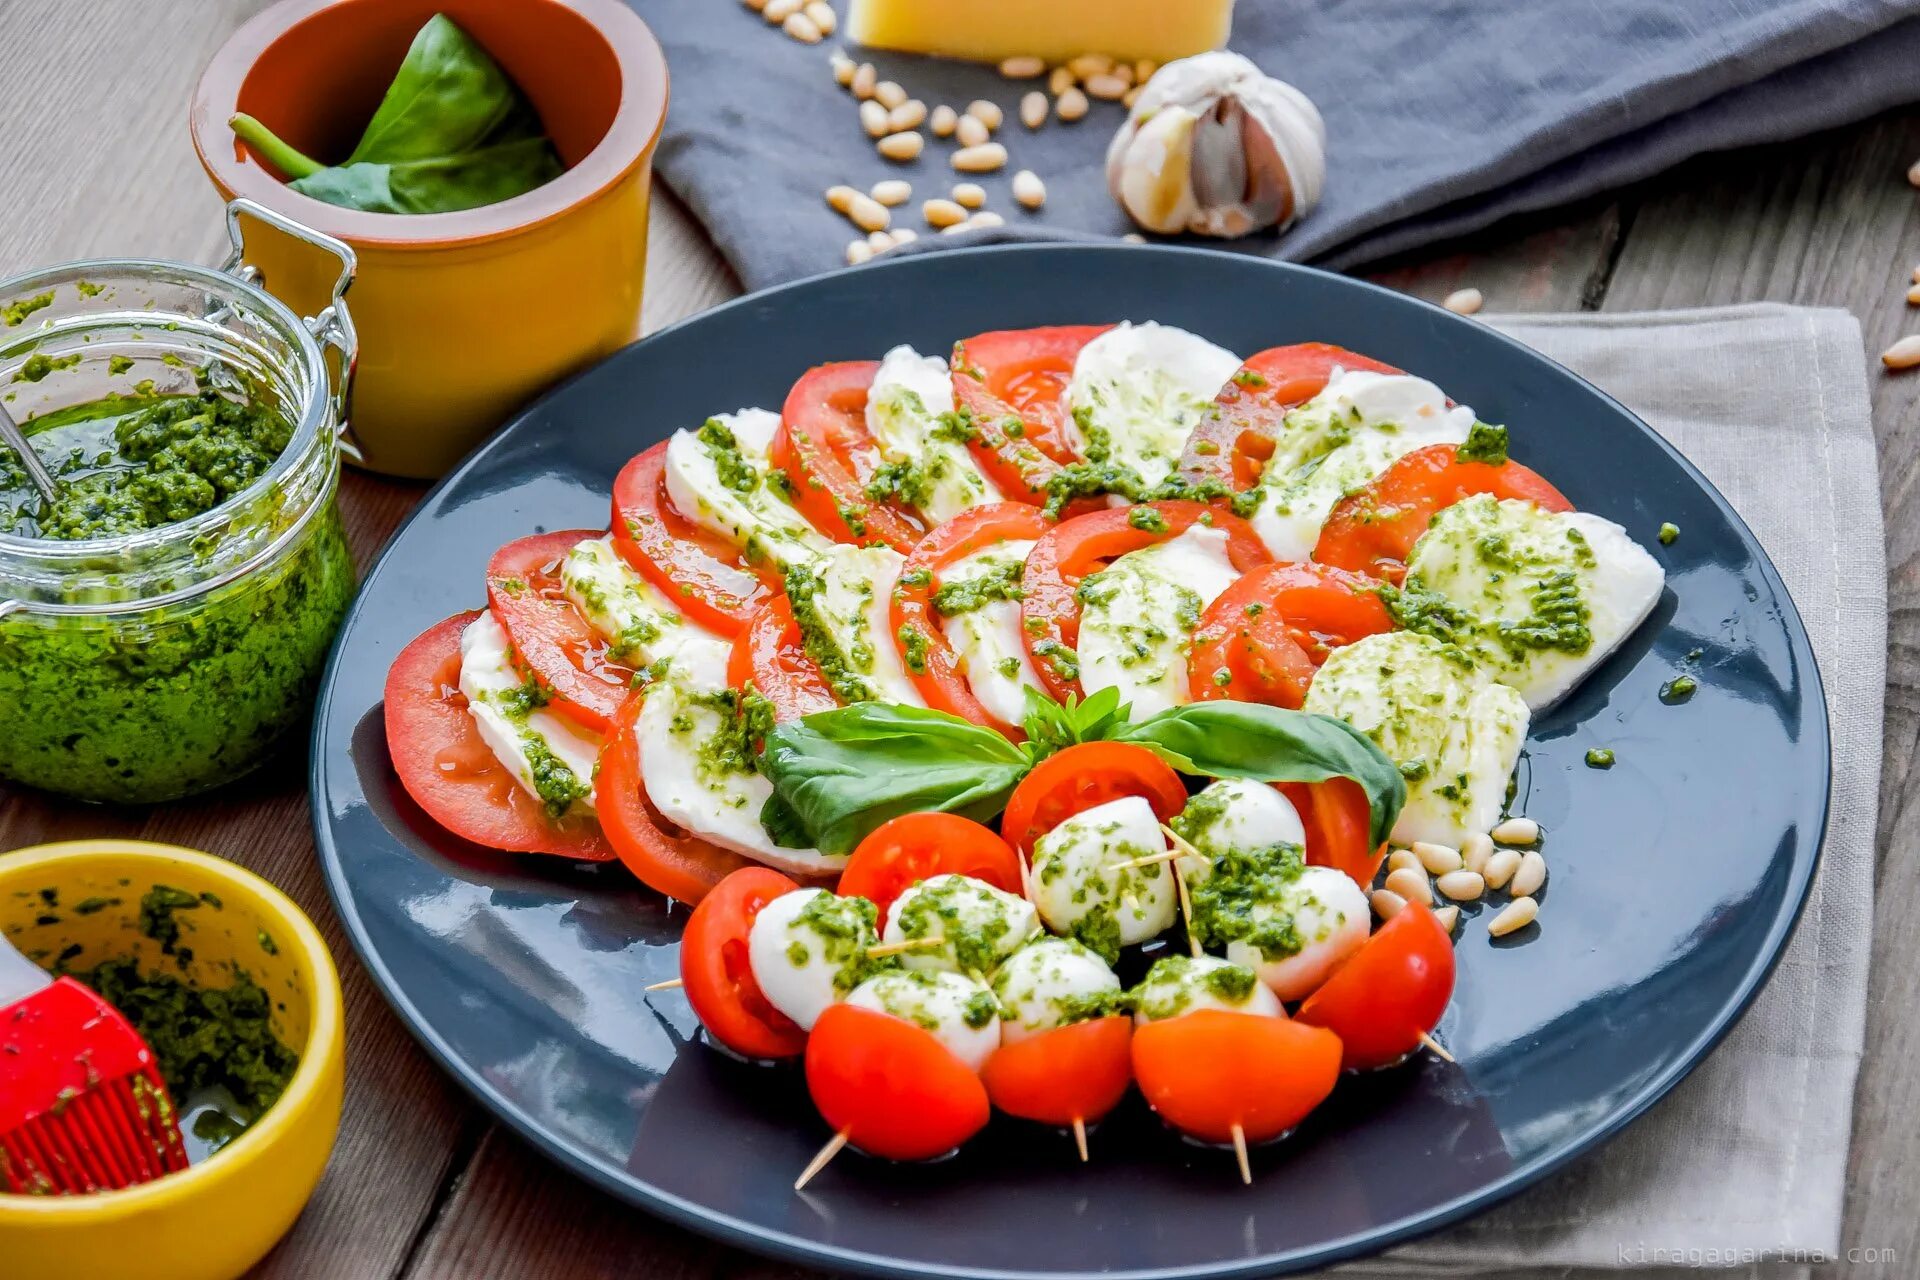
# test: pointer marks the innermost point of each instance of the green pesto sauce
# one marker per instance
(914, 646)
(1599, 758)
(1485, 443)
(977, 927)
(1678, 690)
(1000, 581)
(1668, 532)
(15, 313)
(746, 718)
(806, 593)
(1170, 986)
(846, 929)
(1245, 900)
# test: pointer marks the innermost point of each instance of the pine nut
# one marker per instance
(1437, 858)
(1447, 916)
(873, 118)
(843, 68)
(1913, 295)
(1500, 869)
(969, 195)
(1903, 354)
(1132, 96)
(991, 156)
(1517, 914)
(778, 11)
(908, 115)
(905, 235)
(1133, 237)
(1090, 64)
(1143, 70)
(889, 94)
(1403, 858)
(943, 213)
(1913, 173)
(1461, 886)
(864, 80)
(1386, 904)
(1072, 105)
(1475, 850)
(986, 218)
(1516, 831)
(802, 28)
(858, 251)
(1106, 86)
(972, 132)
(1060, 81)
(823, 16)
(1464, 302)
(840, 199)
(1916, 275)
(945, 120)
(1034, 108)
(1412, 885)
(1028, 189)
(891, 192)
(1023, 67)
(867, 213)
(1532, 874)
(755, 5)
(902, 146)
(1124, 71)
(987, 113)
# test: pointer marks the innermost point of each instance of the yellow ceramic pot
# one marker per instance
(463, 317)
(216, 1219)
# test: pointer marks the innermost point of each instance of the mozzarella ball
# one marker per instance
(1050, 983)
(1234, 815)
(807, 947)
(1179, 985)
(979, 925)
(957, 1011)
(1081, 893)
(1298, 941)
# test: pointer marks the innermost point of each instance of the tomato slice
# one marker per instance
(1078, 778)
(1231, 445)
(940, 680)
(890, 1086)
(1374, 530)
(1078, 1072)
(821, 445)
(1072, 549)
(451, 773)
(552, 642)
(1389, 993)
(718, 975)
(1027, 370)
(903, 851)
(680, 866)
(771, 655)
(1263, 637)
(1207, 1072)
(701, 572)
(1338, 821)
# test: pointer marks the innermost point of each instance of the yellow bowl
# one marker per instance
(216, 1219)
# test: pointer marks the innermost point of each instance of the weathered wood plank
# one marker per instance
(1554, 262)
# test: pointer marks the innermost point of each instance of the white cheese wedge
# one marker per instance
(1137, 392)
(723, 483)
(940, 477)
(1082, 893)
(1138, 615)
(958, 1011)
(804, 946)
(1179, 985)
(1048, 983)
(986, 640)
(845, 599)
(532, 742)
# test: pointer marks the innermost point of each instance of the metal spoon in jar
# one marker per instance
(15, 439)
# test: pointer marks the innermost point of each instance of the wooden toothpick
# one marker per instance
(1439, 1050)
(833, 1148)
(1180, 885)
(671, 984)
(1080, 1137)
(1240, 1154)
(907, 944)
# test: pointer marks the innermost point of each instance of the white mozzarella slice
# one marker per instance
(986, 640)
(1138, 390)
(977, 925)
(638, 621)
(533, 743)
(845, 599)
(1050, 983)
(1329, 919)
(910, 394)
(958, 1011)
(805, 946)
(1138, 615)
(1455, 733)
(1546, 596)
(1179, 985)
(1234, 815)
(719, 478)
(1081, 893)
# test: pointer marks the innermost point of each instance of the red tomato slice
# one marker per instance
(451, 773)
(1027, 370)
(1072, 549)
(1263, 637)
(940, 680)
(1206, 1072)
(890, 1086)
(903, 851)
(1232, 444)
(1011, 460)
(1339, 821)
(822, 437)
(718, 975)
(552, 642)
(1076, 1072)
(1078, 778)
(680, 866)
(701, 572)
(1389, 992)
(771, 655)
(1374, 530)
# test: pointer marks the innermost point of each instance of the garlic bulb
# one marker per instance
(1215, 146)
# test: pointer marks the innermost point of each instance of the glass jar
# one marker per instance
(144, 666)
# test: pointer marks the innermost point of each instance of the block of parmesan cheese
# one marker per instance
(990, 30)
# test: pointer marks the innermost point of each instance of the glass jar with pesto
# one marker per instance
(164, 620)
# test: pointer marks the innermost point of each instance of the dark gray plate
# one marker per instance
(1677, 875)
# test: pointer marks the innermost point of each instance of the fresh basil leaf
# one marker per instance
(439, 184)
(1052, 726)
(839, 774)
(783, 825)
(1269, 744)
(449, 95)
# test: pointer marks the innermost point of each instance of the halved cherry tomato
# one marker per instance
(718, 975)
(1072, 549)
(1082, 776)
(1374, 530)
(552, 642)
(899, 853)
(1206, 1072)
(822, 436)
(1339, 822)
(1263, 637)
(1389, 992)
(1231, 445)
(1028, 370)
(1076, 1072)
(680, 866)
(699, 571)
(771, 656)
(890, 1086)
(451, 773)
(941, 681)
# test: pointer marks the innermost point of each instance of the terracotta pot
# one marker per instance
(463, 316)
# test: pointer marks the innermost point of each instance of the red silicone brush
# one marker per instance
(82, 1105)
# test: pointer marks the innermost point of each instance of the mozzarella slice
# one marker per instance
(844, 602)
(1080, 891)
(1455, 734)
(1542, 597)
(719, 478)
(986, 638)
(1234, 815)
(548, 754)
(1137, 392)
(958, 1011)
(638, 621)
(937, 472)
(1319, 920)
(805, 949)
(1049, 983)
(1138, 615)
(1179, 985)
(978, 926)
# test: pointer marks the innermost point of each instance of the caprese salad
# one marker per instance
(957, 688)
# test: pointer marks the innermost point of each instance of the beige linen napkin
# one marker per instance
(1743, 1165)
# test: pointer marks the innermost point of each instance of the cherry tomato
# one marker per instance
(1263, 637)
(941, 681)
(701, 572)
(1232, 445)
(820, 444)
(552, 642)
(1208, 1071)
(451, 772)
(1339, 822)
(719, 977)
(679, 866)
(1072, 549)
(1027, 370)
(1083, 776)
(1374, 530)
(900, 853)
(771, 655)
(1389, 992)
(890, 1086)
(1076, 1072)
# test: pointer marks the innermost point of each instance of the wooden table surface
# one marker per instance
(95, 161)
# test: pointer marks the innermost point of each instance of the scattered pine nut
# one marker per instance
(1411, 884)
(823, 16)
(1913, 173)
(1386, 903)
(1106, 86)
(889, 94)
(945, 121)
(1913, 295)
(843, 68)
(987, 113)
(1124, 71)
(873, 118)
(972, 131)
(986, 218)
(988, 157)
(1437, 858)
(755, 5)
(1143, 70)
(1516, 831)
(880, 240)
(1461, 886)
(1475, 850)
(1034, 108)
(1532, 874)
(1447, 916)
(858, 251)
(802, 28)
(1023, 67)
(908, 115)
(943, 213)
(901, 146)
(905, 235)
(1133, 237)
(1903, 354)
(1028, 189)
(1500, 868)
(1464, 302)
(1132, 96)
(867, 213)
(778, 11)
(970, 195)
(1072, 105)
(1090, 64)
(1060, 81)
(1916, 275)
(841, 198)
(892, 191)
(865, 77)
(1517, 914)
(1400, 858)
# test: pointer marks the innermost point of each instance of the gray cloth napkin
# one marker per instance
(1442, 115)
(1743, 1165)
